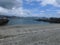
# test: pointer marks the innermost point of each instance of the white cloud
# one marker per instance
(58, 12)
(25, 12)
(42, 11)
(52, 2)
(3, 11)
(46, 2)
(17, 11)
(11, 7)
(32, 0)
(20, 12)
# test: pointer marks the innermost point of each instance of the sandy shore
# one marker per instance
(30, 35)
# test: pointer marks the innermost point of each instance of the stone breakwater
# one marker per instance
(30, 35)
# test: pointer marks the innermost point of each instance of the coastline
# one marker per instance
(30, 34)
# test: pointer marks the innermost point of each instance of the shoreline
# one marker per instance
(30, 34)
(30, 25)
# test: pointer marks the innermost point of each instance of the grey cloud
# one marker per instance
(10, 7)
(58, 1)
(10, 3)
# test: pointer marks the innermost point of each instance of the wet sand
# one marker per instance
(30, 35)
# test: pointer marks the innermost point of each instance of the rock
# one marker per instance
(50, 20)
(4, 21)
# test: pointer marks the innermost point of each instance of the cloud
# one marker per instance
(48, 12)
(48, 2)
(51, 2)
(42, 11)
(14, 7)
(58, 12)
(11, 7)
(58, 1)
(55, 3)
(10, 3)
(27, 13)
(31, 0)
(17, 11)
(4, 11)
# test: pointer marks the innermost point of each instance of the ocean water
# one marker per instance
(28, 20)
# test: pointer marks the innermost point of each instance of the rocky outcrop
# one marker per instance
(4, 21)
(50, 20)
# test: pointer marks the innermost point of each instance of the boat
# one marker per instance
(3, 21)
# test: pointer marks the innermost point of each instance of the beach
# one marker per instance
(30, 34)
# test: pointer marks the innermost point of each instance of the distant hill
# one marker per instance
(9, 16)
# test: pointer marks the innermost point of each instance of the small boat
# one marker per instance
(4, 21)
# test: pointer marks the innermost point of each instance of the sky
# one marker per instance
(30, 8)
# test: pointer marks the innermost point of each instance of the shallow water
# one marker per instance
(25, 21)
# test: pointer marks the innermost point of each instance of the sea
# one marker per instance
(25, 20)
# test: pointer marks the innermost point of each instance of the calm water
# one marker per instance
(25, 21)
